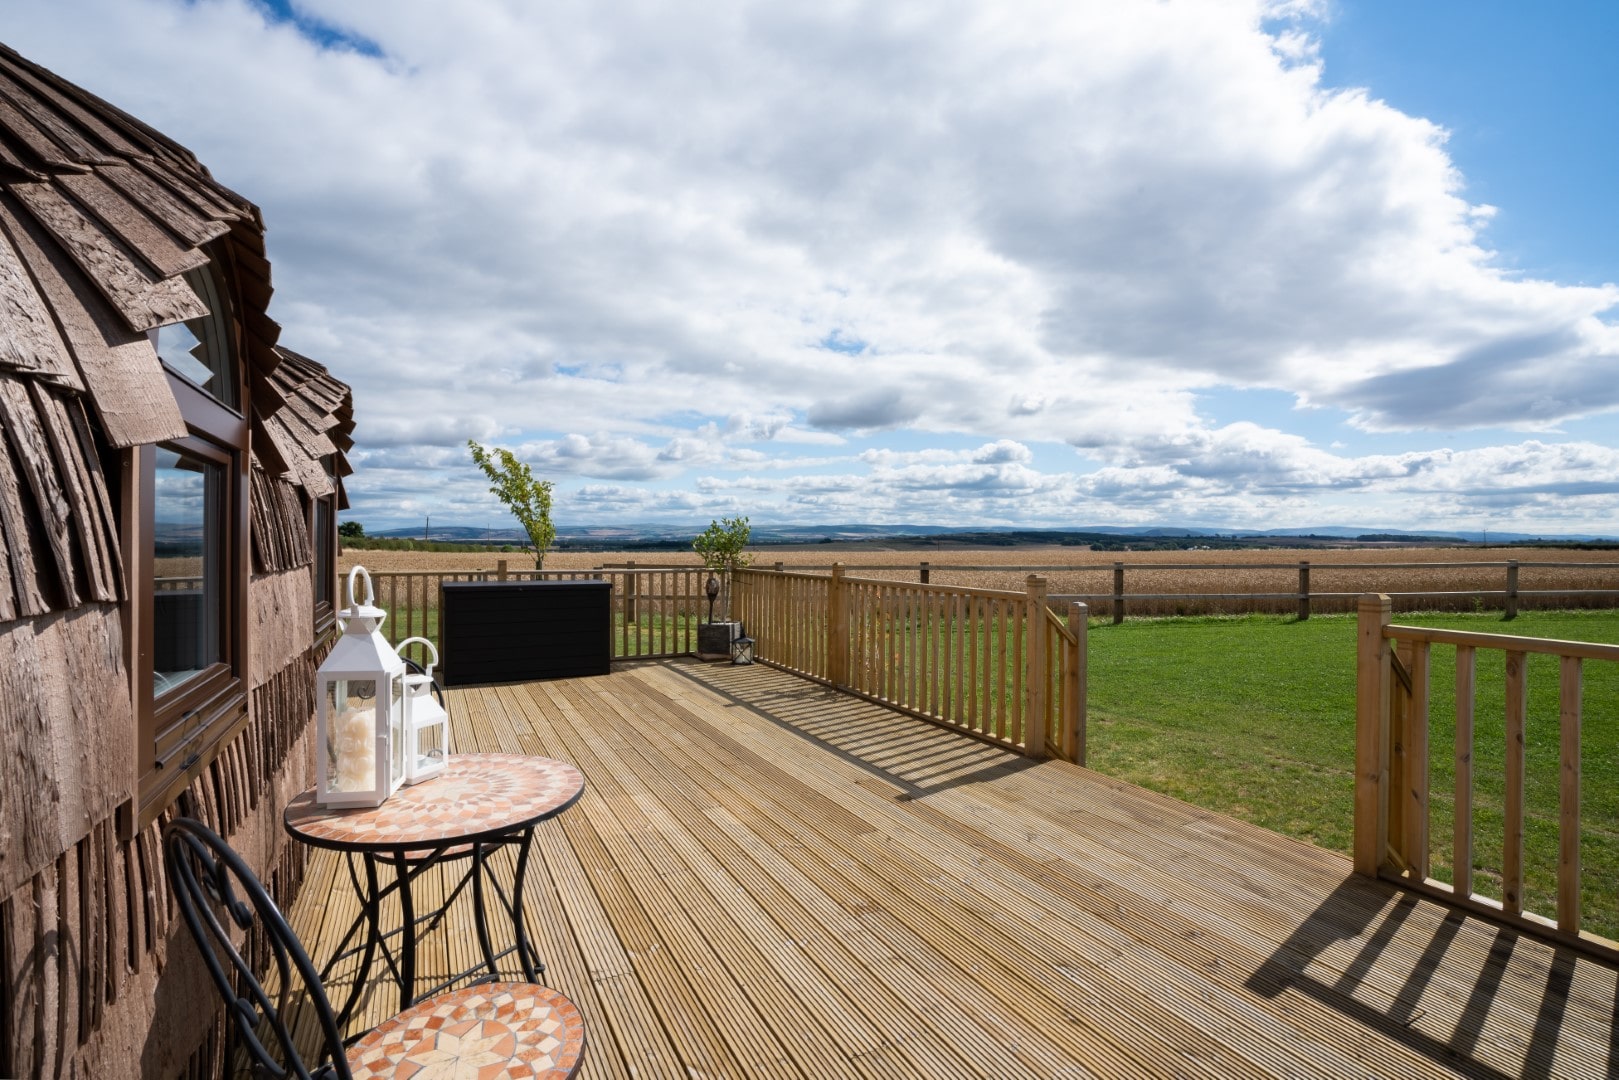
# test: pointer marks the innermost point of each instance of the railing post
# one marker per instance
(1118, 593)
(924, 572)
(1036, 719)
(1304, 590)
(780, 567)
(837, 628)
(1512, 589)
(500, 570)
(1076, 684)
(1372, 735)
(630, 590)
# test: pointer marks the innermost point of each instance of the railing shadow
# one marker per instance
(830, 720)
(1358, 910)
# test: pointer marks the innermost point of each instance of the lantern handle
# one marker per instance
(400, 649)
(370, 596)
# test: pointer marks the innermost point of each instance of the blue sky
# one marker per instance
(1221, 263)
(1527, 92)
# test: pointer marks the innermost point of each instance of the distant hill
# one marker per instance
(665, 536)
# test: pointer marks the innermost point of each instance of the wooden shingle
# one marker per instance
(126, 384)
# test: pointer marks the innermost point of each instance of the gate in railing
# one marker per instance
(996, 663)
(1392, 767)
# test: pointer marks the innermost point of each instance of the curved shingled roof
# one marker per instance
(100, 216)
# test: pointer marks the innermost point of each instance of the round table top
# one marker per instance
(477, 797)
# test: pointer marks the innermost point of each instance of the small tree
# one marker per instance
(351, 530)
(529, 500)
(720, 547)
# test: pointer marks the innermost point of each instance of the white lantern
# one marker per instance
(360, 709)
(427, 725)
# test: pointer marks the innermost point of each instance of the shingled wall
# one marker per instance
(99, 217)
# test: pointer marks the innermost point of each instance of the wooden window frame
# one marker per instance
(180, 734)
(325, 610)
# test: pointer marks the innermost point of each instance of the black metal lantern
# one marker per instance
(713, 591)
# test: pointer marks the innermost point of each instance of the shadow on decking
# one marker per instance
(1357, 911)
(1373, 914)
(839, 724)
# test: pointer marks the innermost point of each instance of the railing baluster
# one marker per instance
(1568, 797)
(1016, 728)
(1517, 713)
(1461, 854)
(972, 637)
(994, 706)
(958, 634)
(1416, 776)
(915, 695)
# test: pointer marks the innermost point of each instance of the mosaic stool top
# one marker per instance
(477, 797)
(492, 1030)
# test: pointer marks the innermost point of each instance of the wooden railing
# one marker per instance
(998, 664)
(1488, 583)
(1392, 767)
(655, 611)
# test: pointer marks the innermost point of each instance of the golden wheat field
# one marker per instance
(1156, 583)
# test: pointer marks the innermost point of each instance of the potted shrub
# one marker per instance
(720, 546)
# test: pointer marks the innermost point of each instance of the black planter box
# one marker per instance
(513, 631)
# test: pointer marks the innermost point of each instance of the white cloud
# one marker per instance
(657, 248)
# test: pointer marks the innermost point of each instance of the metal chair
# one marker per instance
(225, 906)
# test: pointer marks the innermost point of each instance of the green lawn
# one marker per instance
(1255, 717)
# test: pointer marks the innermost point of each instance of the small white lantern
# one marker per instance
(360, 709)
(427, 725)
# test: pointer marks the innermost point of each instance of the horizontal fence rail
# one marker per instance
(1393, 800)
(1326, 586)
(996, 663)
(655, 610)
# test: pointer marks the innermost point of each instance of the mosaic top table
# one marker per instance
(481, 802)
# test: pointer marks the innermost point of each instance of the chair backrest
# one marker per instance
(223, 903)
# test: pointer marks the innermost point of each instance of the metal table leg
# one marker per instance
(407, 912)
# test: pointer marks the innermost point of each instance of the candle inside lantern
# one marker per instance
(356, 749)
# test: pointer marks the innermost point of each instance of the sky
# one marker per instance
(1231, 264)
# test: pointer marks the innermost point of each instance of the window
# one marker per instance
(323, 526)
(185, 515)
(188, 564)
(198, 350)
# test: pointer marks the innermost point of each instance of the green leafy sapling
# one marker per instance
(512, 482)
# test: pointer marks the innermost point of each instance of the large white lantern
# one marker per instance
(360, 711)
(427, 725)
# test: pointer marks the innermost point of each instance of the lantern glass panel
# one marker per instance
(396, 729)
(429, 731)
(351, 734)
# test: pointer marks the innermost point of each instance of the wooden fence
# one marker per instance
(1495, 584)
(655, 611)
(998, 664)
(1392, 767)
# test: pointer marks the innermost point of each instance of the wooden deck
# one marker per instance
(768, 878)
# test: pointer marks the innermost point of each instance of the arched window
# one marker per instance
(201, 350)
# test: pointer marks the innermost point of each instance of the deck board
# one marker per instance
(769, 878)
